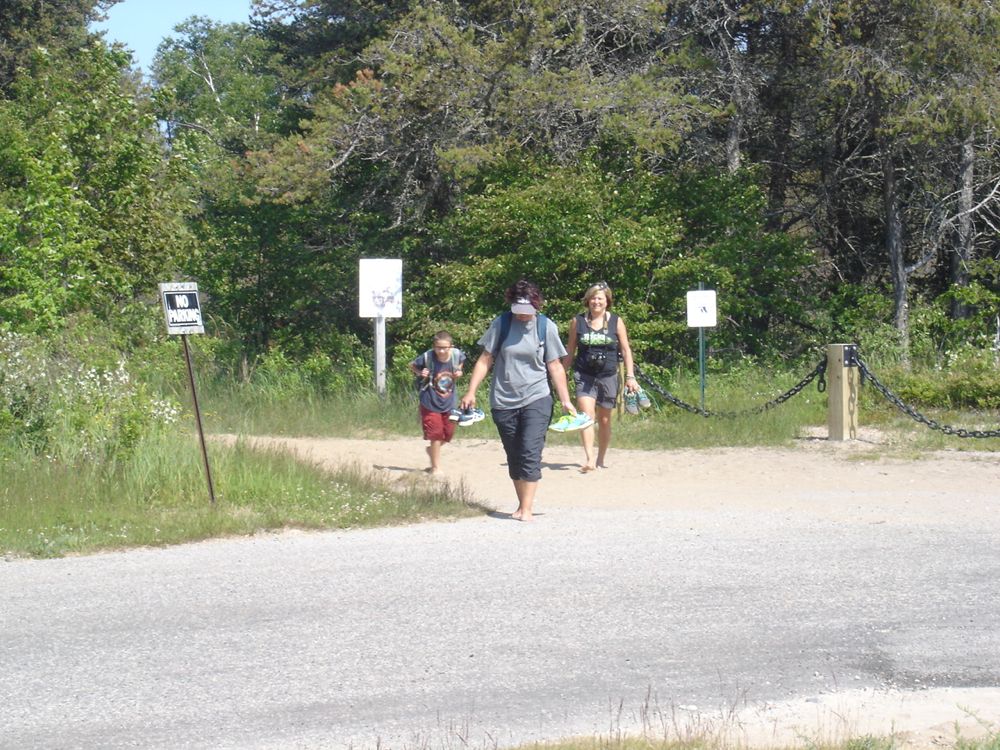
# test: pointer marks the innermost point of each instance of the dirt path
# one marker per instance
(853, 483)
(850, 481)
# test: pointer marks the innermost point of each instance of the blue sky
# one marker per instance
(142, 24)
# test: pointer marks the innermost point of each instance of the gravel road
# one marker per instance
(596, 618)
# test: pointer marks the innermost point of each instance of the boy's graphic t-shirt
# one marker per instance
(439, 393)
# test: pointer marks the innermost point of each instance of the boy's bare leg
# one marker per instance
(434, 453)
(525, 499)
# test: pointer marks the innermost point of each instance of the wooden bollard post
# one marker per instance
(842, 388)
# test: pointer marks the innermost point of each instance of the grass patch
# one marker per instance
(359, 414)
(736, 397)
(876, 412)
(702, 743)
(159, 496)
(366, 415)
(990, 740)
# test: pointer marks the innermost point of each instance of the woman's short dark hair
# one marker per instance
(524, 289)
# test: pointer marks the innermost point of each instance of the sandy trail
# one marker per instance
(851, 482)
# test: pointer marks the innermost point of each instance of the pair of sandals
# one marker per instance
(571, 422)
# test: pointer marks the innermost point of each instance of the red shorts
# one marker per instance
(436, 425)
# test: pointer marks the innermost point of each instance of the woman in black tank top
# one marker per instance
(596, 340)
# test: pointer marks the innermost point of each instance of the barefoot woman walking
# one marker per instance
(523, 358)
(595, 339)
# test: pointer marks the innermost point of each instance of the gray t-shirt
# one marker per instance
(519, 374)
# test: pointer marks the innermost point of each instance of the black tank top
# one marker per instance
(603, 340)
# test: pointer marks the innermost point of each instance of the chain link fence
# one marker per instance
(819, 374)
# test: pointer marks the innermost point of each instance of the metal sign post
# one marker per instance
(380, 296)
(701, 314)
(380, 355)
(183, 315)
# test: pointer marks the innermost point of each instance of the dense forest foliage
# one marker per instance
(831, 168)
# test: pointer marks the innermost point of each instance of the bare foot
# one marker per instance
(526, 517)
(516, 515)
(586, 468)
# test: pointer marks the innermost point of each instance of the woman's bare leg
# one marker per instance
(603, 434)
(525, 499)
(586, 405)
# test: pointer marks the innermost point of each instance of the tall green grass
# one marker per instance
(251, 411)
(736, 401)
(159, 496)
(364, 414)
(734, 397)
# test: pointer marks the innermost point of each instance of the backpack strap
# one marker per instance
(429, 364)
(505, 320)
(581, 329)
(429, 359)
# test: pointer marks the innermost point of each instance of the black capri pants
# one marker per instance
(522, 432)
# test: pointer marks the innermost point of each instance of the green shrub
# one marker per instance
(56, 404)
(967, 378)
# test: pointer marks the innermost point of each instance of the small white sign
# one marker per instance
(181, 308)
(701, 308)
(380, 288)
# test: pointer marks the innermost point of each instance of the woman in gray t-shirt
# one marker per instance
(529, 353)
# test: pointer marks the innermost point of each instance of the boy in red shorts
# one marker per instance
(438, 369)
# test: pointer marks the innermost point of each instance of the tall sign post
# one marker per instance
(183, 315)
(701, 314)
(380, 296)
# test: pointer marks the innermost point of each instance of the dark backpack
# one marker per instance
(429, 358)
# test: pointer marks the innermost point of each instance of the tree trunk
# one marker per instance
(894, 248)
(963, 251)
(780, 100)
(778, 186)
(733, 140)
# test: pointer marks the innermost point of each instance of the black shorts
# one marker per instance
(602, 388)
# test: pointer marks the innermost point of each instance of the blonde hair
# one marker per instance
(600, 286)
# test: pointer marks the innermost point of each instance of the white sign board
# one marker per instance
(181, 308)
(701, 308)
(380, 288)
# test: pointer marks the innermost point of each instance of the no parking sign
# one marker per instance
(181, 308)
(183, 315)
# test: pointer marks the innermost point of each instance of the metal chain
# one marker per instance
(819, 371)
(916, 415)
